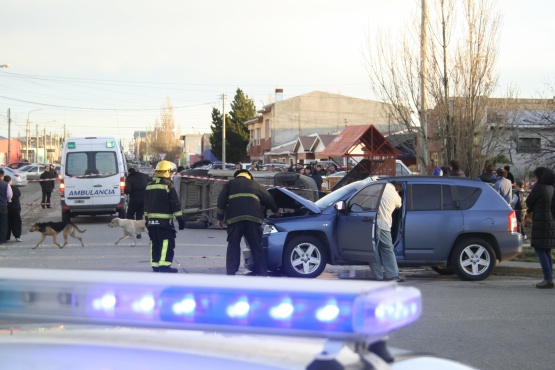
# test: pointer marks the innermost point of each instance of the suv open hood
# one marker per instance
(285, 198)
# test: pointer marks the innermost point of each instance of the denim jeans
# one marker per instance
(385, 255)
(546, 262)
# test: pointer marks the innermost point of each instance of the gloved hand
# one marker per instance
(181, 223)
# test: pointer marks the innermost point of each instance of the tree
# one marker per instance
(237, 135)
(462, 55)
(163, 139)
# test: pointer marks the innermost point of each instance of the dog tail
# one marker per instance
(78, 229)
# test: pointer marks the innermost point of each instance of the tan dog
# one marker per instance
(131, 228)
(54, 228)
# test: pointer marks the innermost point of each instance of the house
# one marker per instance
(317, 112)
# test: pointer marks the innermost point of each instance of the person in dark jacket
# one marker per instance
(47, 186)
(510, 176)
(317, 178)
(14, 212)
(135, 187)
(161, 206)
(240, 207)
(455, 169)
(489, 175)
(540, 202)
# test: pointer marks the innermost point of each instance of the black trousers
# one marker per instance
(14, 222)
(3, 223)
(253, 234)
(162, 245)
(46, 199)
(135, 211)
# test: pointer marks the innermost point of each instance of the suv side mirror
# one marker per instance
(340, 206)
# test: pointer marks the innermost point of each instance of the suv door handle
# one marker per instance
(367, 219)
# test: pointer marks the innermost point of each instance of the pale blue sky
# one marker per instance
(107, 66)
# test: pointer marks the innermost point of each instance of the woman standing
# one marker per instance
(14, 212)
(540, 202)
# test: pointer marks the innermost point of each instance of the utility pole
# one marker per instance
(423, 77)
(36, 143)
(223, 132)
(9, 138)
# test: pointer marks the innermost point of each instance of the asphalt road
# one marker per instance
(503, 322)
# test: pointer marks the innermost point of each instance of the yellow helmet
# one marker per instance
(162, 167)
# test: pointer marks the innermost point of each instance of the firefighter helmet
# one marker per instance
(163, 168)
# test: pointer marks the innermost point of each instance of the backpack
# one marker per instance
(521, 203)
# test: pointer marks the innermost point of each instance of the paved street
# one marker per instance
(491, 324)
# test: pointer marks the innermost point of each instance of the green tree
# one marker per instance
(236, 133)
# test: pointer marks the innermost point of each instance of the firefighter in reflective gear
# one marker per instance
(240, 205)
(161, 206)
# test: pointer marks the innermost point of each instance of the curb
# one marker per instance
(507, 270)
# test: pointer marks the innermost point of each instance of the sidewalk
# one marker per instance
(516, 268)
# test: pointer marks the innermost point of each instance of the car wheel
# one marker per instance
(443, 270)
(66, 217)
(121, 213)
(473, 259)
(304, 256)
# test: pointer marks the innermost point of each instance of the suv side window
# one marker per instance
(468, 195)
(426, 197)
(366, 199)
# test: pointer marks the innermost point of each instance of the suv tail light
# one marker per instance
(512, 222)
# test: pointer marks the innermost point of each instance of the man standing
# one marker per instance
(161, 206)
(510, 176)
(135, 187)
(5, 197)
(503, 186)
(455, 169)
(385, 254)
(47, 185)
(240, 206)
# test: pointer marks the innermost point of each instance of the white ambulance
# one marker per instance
(92, 177)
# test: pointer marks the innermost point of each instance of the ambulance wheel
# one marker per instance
(66, 217)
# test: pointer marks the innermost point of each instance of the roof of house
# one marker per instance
(374, 143)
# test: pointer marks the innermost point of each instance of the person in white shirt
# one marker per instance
(385, 255)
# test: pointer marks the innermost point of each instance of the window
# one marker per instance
(267, 129)
(257, 137)
(529, 145)
(366, 199)
(468, 195)
(86, 163)
(425, 197)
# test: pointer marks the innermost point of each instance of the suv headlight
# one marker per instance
(268, 229)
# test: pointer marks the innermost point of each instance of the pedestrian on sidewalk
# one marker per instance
(519, 205)
(6, 194)
(541, 203)
(47, 186)
(14, 212)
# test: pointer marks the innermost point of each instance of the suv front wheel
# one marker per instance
(473, 259)
(304, 256)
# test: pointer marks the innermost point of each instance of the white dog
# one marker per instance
(131, 228)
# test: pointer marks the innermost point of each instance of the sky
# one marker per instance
(107, 67)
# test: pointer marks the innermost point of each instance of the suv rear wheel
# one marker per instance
(304, 256)
(473, 259)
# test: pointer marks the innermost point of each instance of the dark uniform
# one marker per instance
(135, 187)
(47, 185)
(14, 215)
(161, 206)
(240, 205)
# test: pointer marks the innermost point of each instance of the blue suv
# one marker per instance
(456, 225)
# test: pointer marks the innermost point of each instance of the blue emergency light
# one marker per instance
(351, 310)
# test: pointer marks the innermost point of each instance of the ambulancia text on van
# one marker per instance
(92, 177)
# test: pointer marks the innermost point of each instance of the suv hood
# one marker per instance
(287, 199)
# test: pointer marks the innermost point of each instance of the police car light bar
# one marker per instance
(348, 310)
